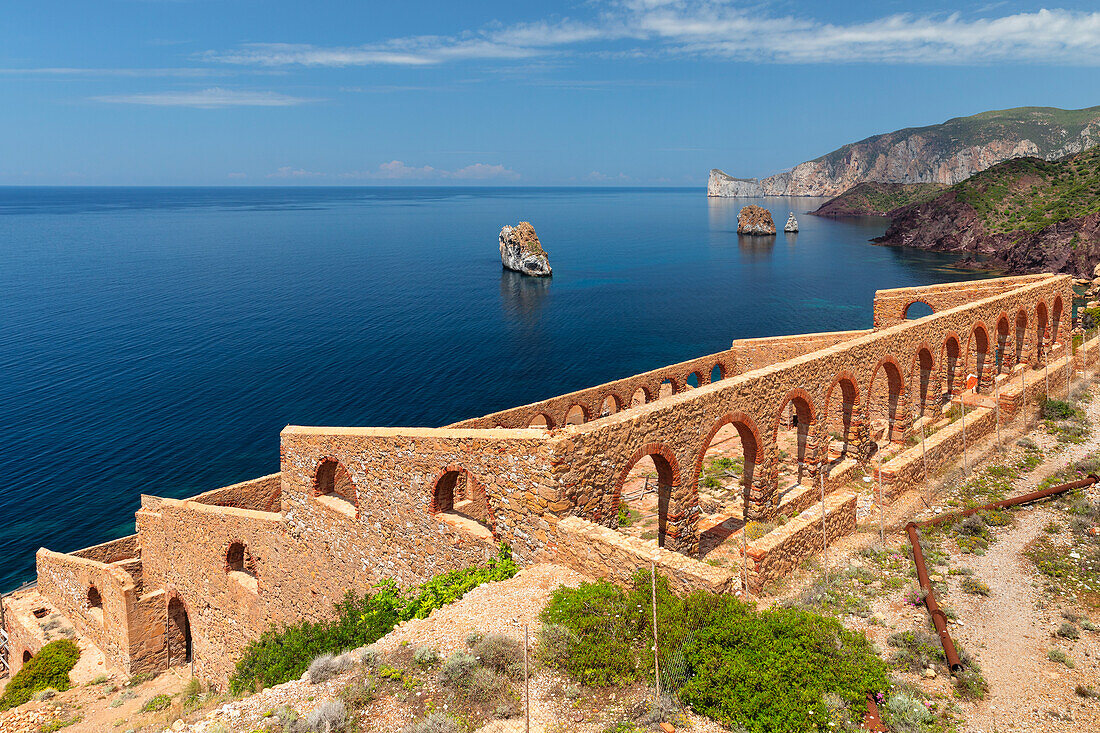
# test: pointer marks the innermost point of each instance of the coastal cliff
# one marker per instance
(946, 153)
(1024, 215)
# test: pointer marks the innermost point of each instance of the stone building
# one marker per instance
(350, 506)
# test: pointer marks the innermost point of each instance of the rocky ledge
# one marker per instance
(520, 250)
(755, 220)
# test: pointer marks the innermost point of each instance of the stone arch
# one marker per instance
(457, 492)
(1001, 356)
(667, 388)
(675, 522)
(842, 422)
(752, 445)
(982, 366)
(1056, 320)
(577, 414)
(921, 376)
(610, 405)
(693, 376)
(896, 418)
(717, 373)
(803, 422)
(95, 600)
(640, 396)
(541, 420)
(178, 640)
(1041, 332)
(238, 559)
(1021, 334)
(334, 481)
(27, 656)
(906, 316)
(953, 373)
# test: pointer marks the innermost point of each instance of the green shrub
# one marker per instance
(457, 670)
(156, 703)
(974, 587)
(556, 643)
(487, 686)
(731, 658)
(436, 722)
(1068, 631)
(1057, 655)
(1058, 410)
(426, 656)
(916, 650)
(284, 652)
(49, 668)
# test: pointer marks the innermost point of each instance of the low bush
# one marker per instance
(501, 653)
(157, 703)
(284, 652)
(732, 658)
(47, 669)
(974, 587)
(556, 643)
(1086, 691)
(1058, 410)
(1057, 655)
(329, 717)
(457, 670)
(1068, 631)
(436, 722)
(327, 666)
(907, 714)
(426, 656)
(915, 650)
(487, 686)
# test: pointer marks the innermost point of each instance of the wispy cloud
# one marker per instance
(63, 71)
(288, 171)
(212, 98)
(727, 30)
(398, 170)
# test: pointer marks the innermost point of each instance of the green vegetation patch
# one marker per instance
(760, 670)
(284, 652)
(49, 668)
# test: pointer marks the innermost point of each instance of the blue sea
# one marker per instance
(155, 340)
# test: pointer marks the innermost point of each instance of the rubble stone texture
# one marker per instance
(755, 220)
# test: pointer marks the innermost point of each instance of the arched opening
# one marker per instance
(541, 420)
(792, 440)
(1041, 333)
(1056, 321)
(640, 397)
(888, 417)
(576, 415)
(609, 406)
(334, 487)
(724, 476)
(693, 380)
(979, 367)
(917, 309)
(1000, 351)
(717, 374)
(179, 633)
(27, 656)
(842, 422)
(950, 361)
(667, 388)
(644, 495)
(462, 501)
(95, 604)
(921, 380)
(239, 560)
(1021, 334)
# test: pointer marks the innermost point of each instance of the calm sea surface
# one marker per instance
(157, 340)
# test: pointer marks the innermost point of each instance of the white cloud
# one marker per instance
(68, 71)
(398, 170)
(212, 98)
(288, 171)
(725, 29)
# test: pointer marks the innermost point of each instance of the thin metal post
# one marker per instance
(881, 526)
(824, 533)
(997, 417)
(924, 459)
(745, 547)
(526, 679)
(962, 405)
(656, 658)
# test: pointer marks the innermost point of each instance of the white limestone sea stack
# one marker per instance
(520, 250)
(792, 224)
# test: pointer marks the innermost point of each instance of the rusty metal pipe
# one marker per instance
(872, 721)
(1026, 498)
(939, 620)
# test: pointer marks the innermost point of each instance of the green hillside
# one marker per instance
(1047, 127)
(1028, 194)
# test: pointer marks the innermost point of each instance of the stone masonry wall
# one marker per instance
(780, 551)
(600, 552)
(890, 305)
(262, 494)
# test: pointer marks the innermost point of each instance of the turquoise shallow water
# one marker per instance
(157, 340)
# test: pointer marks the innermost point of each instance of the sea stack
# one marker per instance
(755, 220)
(792, 224)
(520, 250)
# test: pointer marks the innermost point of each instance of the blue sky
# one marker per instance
(583, 92)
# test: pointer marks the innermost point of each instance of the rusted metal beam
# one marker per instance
(939, 620)
(872, 721)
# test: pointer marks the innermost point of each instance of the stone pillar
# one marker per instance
(989, 371)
